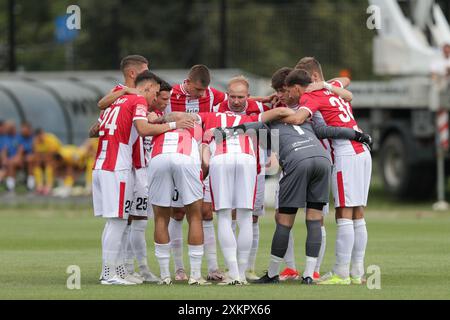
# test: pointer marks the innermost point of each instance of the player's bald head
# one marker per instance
(239, 81)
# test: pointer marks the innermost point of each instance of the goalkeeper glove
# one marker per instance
(364, 138)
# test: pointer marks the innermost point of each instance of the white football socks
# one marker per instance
(162, 253)
(289, 257)
(227, 242)
(254, 250)
(323, 246)
(210, 245)
(176, 240)
(244, 240)
(195, 259)
(138, 243)
(359, 248)
(274, 266)
(345, 237)
(309, 267)
(233, 226)
(112, 243)
(127, 251)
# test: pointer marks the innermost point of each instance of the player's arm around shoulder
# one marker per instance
(341, 92)
(178, 116)
(324, 131)
(109, 99)
(298, 117)
(338, 90)
(276, 114)
(145, 129)
(343, 82)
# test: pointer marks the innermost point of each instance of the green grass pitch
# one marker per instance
(409, 243)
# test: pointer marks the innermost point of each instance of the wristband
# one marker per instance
(327, 86)
(172, 125)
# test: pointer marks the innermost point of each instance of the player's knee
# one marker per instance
(178, 214)
(344, 213)
(358, 213)
(280, 240)
(207, 213)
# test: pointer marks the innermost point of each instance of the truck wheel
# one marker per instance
(402, 179)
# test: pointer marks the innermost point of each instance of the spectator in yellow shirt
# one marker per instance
(45, 147)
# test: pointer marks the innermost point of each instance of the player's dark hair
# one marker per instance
(146, 76)
(165, 86)
(298, 76)
(200, 72)
(279, 77)
(38, 131)
(309, 64)
(133, 59)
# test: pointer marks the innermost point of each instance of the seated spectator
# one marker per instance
(69, 164)
(45, 147)
(2, 145)
(26, 141)
(12, 154)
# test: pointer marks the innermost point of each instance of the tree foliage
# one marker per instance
(262, 36)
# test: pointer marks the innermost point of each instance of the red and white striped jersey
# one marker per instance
(237, 144)
(118, 134)
(336, 112)
(253, 107)
(140, 157)
(181, 102)
(184, 141)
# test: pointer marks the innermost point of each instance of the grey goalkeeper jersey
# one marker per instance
(298, 142)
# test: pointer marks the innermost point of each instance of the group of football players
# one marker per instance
(191, 150)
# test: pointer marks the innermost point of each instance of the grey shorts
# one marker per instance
(305, 181)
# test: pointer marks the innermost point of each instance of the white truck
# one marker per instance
(401, 112)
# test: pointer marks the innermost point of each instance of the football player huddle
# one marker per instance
(189, 150)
